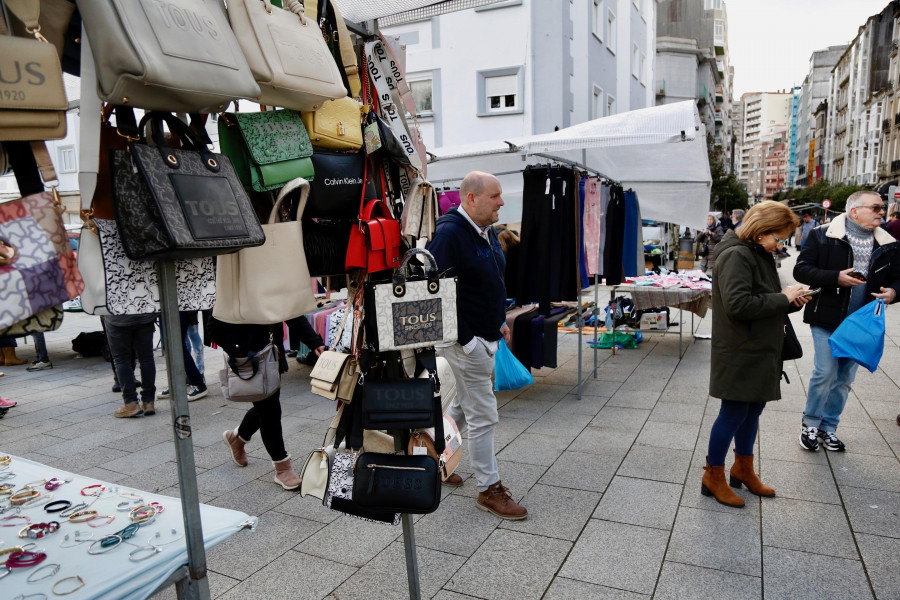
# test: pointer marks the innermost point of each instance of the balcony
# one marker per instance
(718, 117)
(893, 51)
(897, 120)
(886, 125)
(838, 156)
(883, 170)
(895, 167)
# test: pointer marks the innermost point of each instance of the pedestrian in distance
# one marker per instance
(749, 308)
(806, 226)
(893, 225)
(710, 238)
(127, 336)
(852, 260)
(265, 415)
(466, 246)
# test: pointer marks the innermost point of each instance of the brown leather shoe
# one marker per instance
(742, 472)
(498, 501)
(236, 445)
(714, 484)
(130, 409)
(455, 480)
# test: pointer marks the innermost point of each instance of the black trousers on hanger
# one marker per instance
(615, 237)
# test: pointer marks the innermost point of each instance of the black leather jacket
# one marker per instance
(826, 253)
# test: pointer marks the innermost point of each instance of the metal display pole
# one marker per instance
(409, 535)
(196, 585)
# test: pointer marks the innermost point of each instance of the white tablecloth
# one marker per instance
(111, 575)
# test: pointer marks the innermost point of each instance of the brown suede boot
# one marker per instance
(10, 358)
(714, 484)
(455, 480)
(285, 476)
(742, 472)
(236, 445)
(498, 501)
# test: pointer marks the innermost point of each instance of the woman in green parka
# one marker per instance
(749, 308)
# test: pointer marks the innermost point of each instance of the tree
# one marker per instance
(727, 191)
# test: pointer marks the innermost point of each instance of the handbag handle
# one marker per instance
(290, 187)
(29, 12)
(253, 357)
(399, 277)
(183, 132)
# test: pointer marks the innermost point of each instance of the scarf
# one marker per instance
(862, 241)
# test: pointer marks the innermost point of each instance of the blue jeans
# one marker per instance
(195, 342)
(829, 385)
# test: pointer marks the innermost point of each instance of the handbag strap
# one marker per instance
(89, 127)
(253, 357)
(318, 12)
(287, 190)
(428, 359)
(29, 12)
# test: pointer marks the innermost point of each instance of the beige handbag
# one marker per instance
(269, 283)
(286, 53)
(420, 211)
(335, 376)
(337, 125)
(169, 55)
(33, 102)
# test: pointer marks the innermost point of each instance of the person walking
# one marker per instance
(196, 382)
(710, 238)
(749, 308)
(265, 415)
(806, 226)
(129, 335)
(466, 245)
(852, 260)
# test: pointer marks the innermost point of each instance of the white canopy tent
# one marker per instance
(660, 152)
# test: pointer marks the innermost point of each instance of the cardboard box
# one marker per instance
(654, 321)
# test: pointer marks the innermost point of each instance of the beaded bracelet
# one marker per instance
(39, 500)
(73, 509)
(22, 497)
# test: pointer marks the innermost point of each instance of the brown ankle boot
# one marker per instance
(498, 501)
(714, 484)
(236, 445)
(10, 358)
(285, 476)
(742, 472)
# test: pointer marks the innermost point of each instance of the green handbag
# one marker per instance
(268, 148)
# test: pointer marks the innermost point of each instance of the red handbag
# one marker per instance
(375, 243)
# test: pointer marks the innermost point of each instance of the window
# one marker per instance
(719, 30)
(597, 106)
(643, 73)
(67, 162)
(611, 36)
(712, 4)
(597, 20)
(500, 91)
(635, 61)
(610, 105)
(421, 91)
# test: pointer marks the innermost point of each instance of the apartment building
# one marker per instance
(523, 67)
(775, 166)
(693, 63)
(766, 115)
(889, 165)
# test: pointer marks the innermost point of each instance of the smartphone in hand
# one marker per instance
(810, 292)
(858, 275)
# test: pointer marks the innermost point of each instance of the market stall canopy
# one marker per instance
(660, 152)
(395, 12)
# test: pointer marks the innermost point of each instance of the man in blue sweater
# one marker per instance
(466, 245)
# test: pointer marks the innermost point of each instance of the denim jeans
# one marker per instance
(40, 347)
(475, 406)
(196, 344)
(738, 421)
(829, 385)
(122, 342)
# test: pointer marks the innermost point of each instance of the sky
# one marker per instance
(770, 41)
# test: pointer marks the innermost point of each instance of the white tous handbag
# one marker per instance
(117, 285)
(169, 55)
(269, 283)
(287, 54)
(404, 313)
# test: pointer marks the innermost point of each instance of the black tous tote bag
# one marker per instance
(178, 203)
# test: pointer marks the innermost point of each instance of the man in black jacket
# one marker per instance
(853, 261)
(466, 244)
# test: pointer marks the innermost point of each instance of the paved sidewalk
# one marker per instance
(611, 483)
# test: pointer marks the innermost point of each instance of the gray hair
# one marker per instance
(738, 214)
(856, 198)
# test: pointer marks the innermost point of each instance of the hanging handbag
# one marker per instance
(251, 378)
(375, 242)
(337, 125)
(179, 203)
(49, 319)
(411, 313)
(171, 55)
(421, 441)
(270, 283)
(57, 21)
(335, 376)
(404, 484)
(338, 185)
(325, 244)
(791, 350)
(286, 53)
(420, 211)
(33, 102)
(118, 285)
(267, 149)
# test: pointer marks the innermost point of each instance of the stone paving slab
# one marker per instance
(612, 482)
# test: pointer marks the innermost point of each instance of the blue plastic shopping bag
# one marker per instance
(509, 373)
(861, 336)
